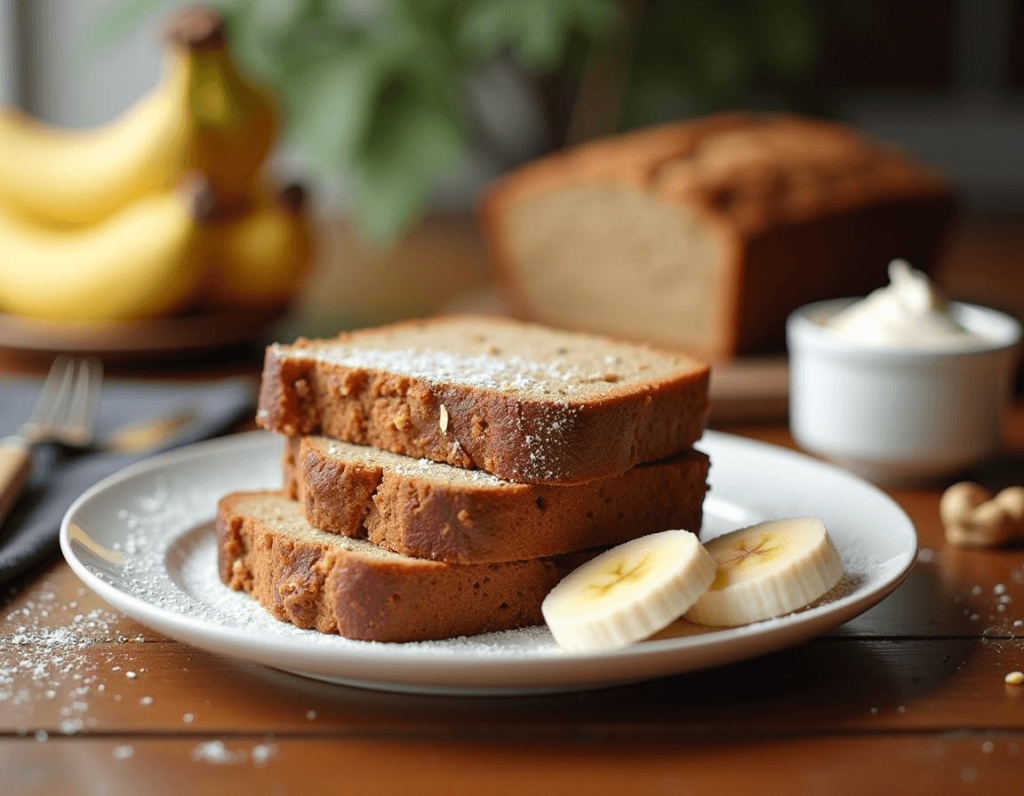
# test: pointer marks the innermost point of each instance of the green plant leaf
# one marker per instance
(719, 59)
(331, 104)
(535, 30)
(248, 46)
(280, 19)
(414, 139)
(787, 35)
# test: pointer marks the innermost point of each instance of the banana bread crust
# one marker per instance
(525, 412)
(429, 510)
(333, 584)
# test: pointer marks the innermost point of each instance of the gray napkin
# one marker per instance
(30, 532)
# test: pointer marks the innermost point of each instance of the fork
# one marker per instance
(64, 413)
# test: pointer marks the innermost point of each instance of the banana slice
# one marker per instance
(629, 592)
(767, 570)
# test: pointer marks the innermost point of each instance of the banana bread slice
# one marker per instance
(522, 401)
(425, 509)
(351, 587)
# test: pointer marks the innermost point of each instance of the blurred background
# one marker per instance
(488, 84)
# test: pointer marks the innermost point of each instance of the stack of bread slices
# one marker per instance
(441, 476)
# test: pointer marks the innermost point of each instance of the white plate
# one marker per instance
(143, 539)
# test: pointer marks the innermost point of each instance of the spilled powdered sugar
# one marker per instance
(216, 752)
(49, 656)
(46, 658)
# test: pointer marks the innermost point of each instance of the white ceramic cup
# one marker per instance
(900, 415)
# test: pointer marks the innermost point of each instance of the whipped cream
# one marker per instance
(910, 311)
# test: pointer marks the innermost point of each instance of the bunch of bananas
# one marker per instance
(160, 211)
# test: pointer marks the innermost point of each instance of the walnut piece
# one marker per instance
(973, 517)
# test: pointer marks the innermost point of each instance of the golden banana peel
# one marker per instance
(236, 122)
(260, 257)
(148, 259)
(202, 116)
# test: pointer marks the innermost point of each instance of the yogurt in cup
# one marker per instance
(901, 386)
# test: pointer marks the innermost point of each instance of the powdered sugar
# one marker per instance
(179, 575)
(205, 597)
(123, 752)
(541, 363)
(161, 524)
(49, 656)
(167, 540)
(407, 466)
(546, 396)
(444, 367)
(216, 752)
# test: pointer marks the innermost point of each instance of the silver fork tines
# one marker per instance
(65, 411)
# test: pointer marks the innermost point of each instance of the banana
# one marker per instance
(768, 570)
(262, 255)
(148, 259)
(236, 121)
(202, 116)
(629, 592)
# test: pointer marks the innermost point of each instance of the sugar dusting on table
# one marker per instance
(60, 657)
(217, 752)
(50, 662)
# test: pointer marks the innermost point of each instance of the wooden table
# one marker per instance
(912, 692)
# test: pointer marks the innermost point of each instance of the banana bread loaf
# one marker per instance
(524, 402)
(425, 509)
(704, 235)
(351, 587)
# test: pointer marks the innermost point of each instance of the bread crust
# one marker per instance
(333, 584)
(747, 172)
(515, 435)
(441, 513)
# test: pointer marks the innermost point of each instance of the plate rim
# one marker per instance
(416, 668)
